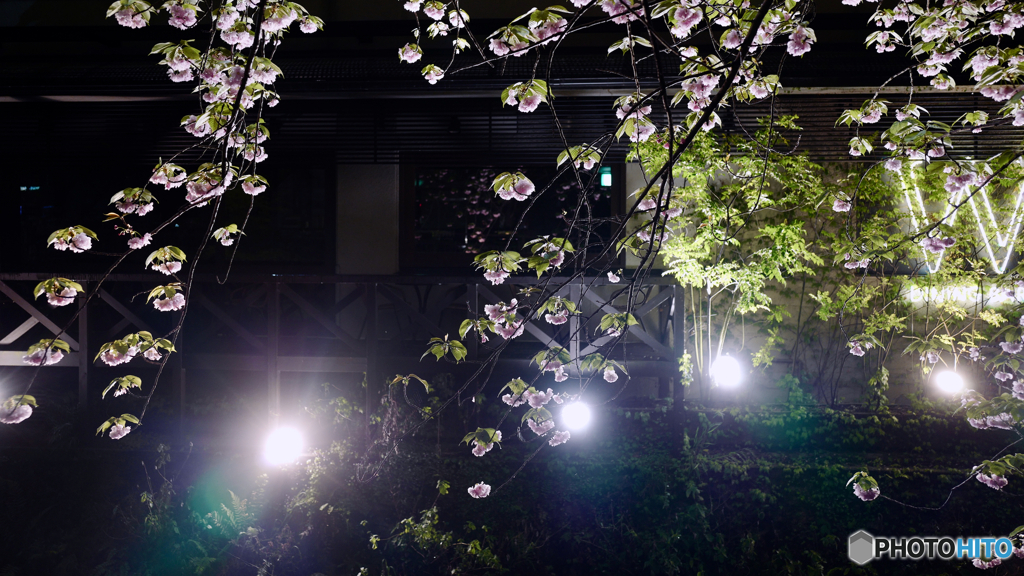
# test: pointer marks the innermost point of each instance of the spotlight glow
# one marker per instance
(726, 372)
(283, 446)
(949, 382)
(576, 416)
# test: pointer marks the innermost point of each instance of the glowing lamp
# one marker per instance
(576, 416)
(726, 372)
(949, 382)
(283, 446)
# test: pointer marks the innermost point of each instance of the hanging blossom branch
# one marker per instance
(236, 77)
(704, 83)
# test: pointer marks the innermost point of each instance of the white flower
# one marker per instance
(612, 277)
(480, 490)
(542, 428)
(139, 241)
(167, 268)
(15, 415)
(118, 431)
(66, 296)
(80, 243)
(36, 358)
(841, 206)
(610, 375)
(560, 437)
(177, 302)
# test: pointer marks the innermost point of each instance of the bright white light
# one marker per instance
(726, 372)
(949, 382)
(576, 416)
(284, 446)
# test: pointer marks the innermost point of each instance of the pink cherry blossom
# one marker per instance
(36, 358)
(1004, 376)
(857, 349)
(512, 330)
(513, 401)
(480, 490)
(995, 481)
(128, 17)
(66, 296)
(17, 414)
(685, 19)
(252, 189)
(1011, 347)
(612, 277)
(496, 276)
(733, 39)
(413, 5)
(560, 437)
(866, 495)
(152, 353)
(117, 431)
(538, 399)
(610, 375)
(799, 42)
(556, 319)
(841, 206)
(307, 26)
(409, 53)
(542, 428)
(80, 243)
(167, 268)
(139, 241)
(112, 357)
(176, 302)
(530, 103)
(499, 47)
(560, 376)
(1002, 421)
(181, 18)
(227, 19)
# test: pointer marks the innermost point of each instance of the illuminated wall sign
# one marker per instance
(972, 295)
(989, 231)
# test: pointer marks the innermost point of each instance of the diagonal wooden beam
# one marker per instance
(642, 335)
(19, 331)
(414, 314)
(28, 307)
(123, 311)
(318, 315)
(231, 323)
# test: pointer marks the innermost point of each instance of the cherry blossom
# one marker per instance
(530, 103)
(432, 74)
(560, 318)
(983, 565)
(118, 431)
(308, 26)
(541, 428)
(130, 18)
(167, 268)
(480, 490)
(1011, 347)
(512, 330)
(513, 401)
(865, 495)
(36, 358)
(112, 357)
(684, 20)
(538, 399)
(16, 414)
(139, 241)
(80, 243)
(496, 276)
(936, 245)
(181, 17)
(410, 53)
(176, 302)
(413, 6)
(560, 437)
(66, 296)
(610, 375)
(995, 481)
(1004, 376)
(612, 277)
(252, 189)
(841, 205)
